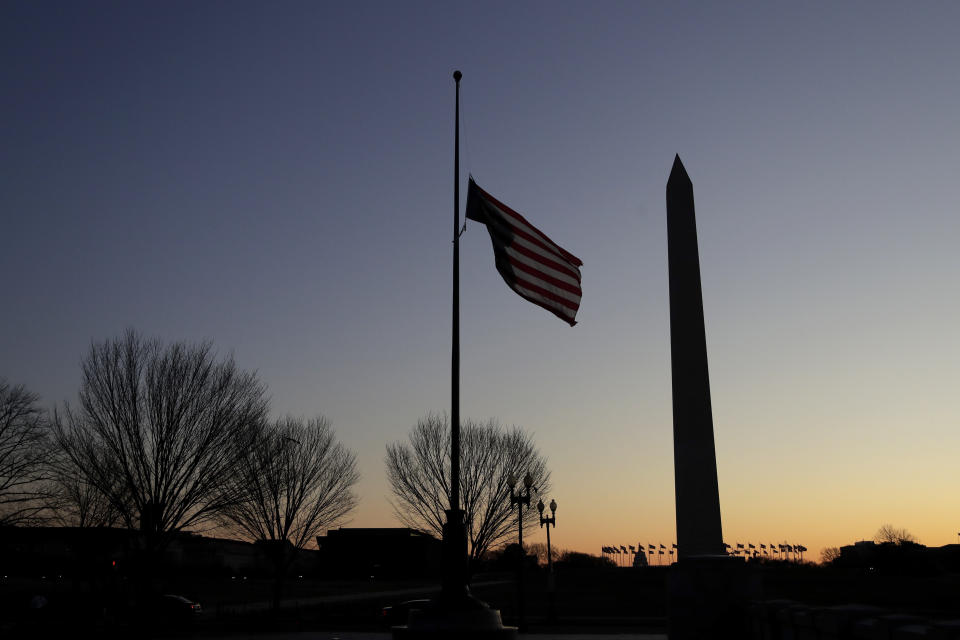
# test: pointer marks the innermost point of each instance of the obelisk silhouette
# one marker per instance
(694, 456)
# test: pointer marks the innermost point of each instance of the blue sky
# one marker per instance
(278, 178)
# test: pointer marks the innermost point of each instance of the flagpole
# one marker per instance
(455, 589)
(455, 355)
(457, 613)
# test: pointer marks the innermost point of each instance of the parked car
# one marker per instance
(400, 613)
(177, 609)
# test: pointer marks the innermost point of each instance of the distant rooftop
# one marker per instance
(391, 532)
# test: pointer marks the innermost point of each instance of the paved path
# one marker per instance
(392, 595)
(389, 595)
(368, 635)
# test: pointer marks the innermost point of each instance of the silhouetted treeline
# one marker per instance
(169, 438)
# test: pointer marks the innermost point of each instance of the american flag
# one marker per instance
(530, 263)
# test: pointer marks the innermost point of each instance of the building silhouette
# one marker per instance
(379, 553)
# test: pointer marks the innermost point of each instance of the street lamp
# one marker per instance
(520, 499)
(551, 586)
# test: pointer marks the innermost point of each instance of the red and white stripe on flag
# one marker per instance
(531, 264)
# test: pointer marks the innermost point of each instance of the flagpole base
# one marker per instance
(454, 549)
(470, 624)
(457, 613)
(707, 597)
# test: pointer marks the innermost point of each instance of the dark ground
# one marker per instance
(613, 600)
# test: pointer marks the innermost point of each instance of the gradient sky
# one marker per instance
(277, 178)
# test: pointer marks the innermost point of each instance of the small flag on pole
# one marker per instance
(530, 263)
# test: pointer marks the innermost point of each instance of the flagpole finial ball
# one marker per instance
(457, 75)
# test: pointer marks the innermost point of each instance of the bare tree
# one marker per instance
(295, 481)
(419, 476)
(22, 435)
(72, 500)
(539, 550)
(157, 431)
(890, 533)
(829, 554)
(585, 560)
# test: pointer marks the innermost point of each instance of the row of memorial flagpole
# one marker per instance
(793, 552)
(624, 555)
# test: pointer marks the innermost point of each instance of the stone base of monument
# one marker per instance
(707, 597)
(469, 619)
